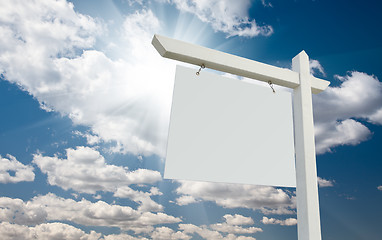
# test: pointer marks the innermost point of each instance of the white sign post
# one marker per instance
(303, 85)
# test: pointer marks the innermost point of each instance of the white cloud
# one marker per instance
(379, 188)
(53, 208)
(143, 23)
(147, 204)
(345, 132)
(238, 219)
(203, 232)
(35, 31)
(185, 200)
(45, 231)
(127, 100)
(227, 228)
(266, 3)
(18, 212)
(206, 232)
(286, 222)
(165, 233)
(233, 223)
(376, 117)
(57, 230)
(13, 171)
(324, 182)
(230, 17)
(337, 109)
(239, 196)
(122, 236)
(85, 170)
(315, 67)
(10, 231)
(45, 48)
(278, 211)
(98, 196)
(233, 237)
(90, 138)
(61, 231)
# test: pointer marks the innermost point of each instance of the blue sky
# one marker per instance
(85, 102)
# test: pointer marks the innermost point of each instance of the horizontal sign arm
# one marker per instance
(198, 55)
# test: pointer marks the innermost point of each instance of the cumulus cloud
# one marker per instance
(238, 219)
(337, 111)
(85, 170)
(345, 132)
(53, 208)
(267, 199)
(233, 229)
(120, 99)
(207, 233)
(230, 17)
(90, 138)
(122, 236)
(203, 232)
(45, 231)
(146, 203)
(266, 3)
(315, 67)
(57, 230)
(286, 222)
(18, 212)
(13, 171)
(48, 50)
(36, 31)
(44, 48)
(185, 200)
(324, 182)
(233, 225)
(165, 233)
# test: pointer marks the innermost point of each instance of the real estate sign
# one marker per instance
(228, 130)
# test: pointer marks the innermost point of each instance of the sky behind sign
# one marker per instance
(85, 103)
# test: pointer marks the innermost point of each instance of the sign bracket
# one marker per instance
(217, 60)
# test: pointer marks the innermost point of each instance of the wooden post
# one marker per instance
(308, 213)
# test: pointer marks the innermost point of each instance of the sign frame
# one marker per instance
(303, 85)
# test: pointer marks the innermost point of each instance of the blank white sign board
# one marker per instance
(227, 130)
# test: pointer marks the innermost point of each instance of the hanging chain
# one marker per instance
(271, 85)
(203, 66)
(200, 69)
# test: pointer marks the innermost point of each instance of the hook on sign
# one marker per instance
(200, 69)
(271, 85)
